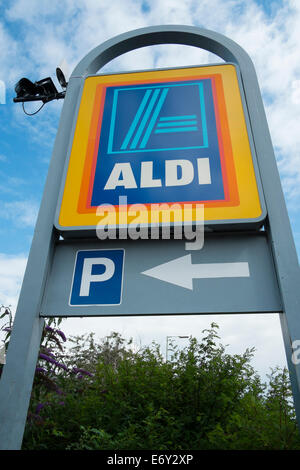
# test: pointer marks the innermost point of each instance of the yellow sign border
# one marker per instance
(248, 208)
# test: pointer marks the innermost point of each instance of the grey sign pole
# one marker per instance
(18, 373)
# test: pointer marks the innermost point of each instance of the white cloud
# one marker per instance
(13, 62)
(42, 127)
(10, 186)
(21, 213)
(11, 274)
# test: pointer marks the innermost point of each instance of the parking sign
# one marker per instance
(97, 278)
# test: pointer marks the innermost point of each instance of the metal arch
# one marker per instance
(154, 35)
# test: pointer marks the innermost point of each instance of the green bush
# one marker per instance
(111, 397)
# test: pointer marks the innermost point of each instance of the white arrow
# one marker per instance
(181, 271)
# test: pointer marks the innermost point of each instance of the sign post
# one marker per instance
(213, 148)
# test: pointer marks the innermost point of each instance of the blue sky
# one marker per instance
(36, 35)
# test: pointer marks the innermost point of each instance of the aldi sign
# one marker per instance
(163, 137)
(144, 144)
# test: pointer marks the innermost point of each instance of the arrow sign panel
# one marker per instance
(181, 271)
(232, 273)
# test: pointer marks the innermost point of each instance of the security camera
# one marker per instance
(25, 88)
(61, 78)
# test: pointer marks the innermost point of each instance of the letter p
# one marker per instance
(88, 277)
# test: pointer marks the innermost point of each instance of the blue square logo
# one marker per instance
(149, 128)
(97, 278)
(157, 118)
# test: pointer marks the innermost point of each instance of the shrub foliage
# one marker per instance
(108, 396)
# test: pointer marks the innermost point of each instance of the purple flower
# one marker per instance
(81, 372)
(48, 328)
(89, 374)
(62, 403)
(39, 407)
(40, 369)
(61, 334)
(47, 358)
(48, 351)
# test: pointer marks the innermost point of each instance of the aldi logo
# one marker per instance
(158, 144)
(173, 136)
(150, 123)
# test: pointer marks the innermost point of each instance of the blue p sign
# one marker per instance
(97, 278)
